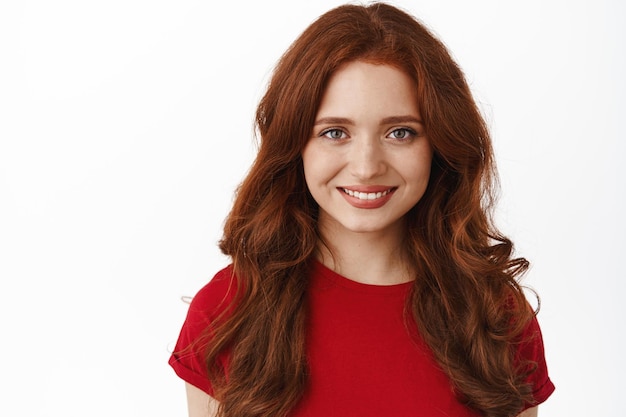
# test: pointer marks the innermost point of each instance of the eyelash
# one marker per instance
(326, 133)
(410, 133)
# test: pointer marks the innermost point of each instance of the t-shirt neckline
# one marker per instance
(330, 275)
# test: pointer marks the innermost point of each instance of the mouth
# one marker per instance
(373, 195)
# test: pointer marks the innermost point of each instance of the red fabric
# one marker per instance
(362, 359)
(187, 359)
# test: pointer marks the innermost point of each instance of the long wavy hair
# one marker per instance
(465, 299)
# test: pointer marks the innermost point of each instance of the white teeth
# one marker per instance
(365, 196)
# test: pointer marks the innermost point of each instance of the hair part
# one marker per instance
(465, 300)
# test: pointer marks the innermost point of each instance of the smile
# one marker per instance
(366, 196)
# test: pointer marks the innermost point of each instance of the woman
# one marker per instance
(366, 277)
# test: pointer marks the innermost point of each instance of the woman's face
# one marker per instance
(367, 162)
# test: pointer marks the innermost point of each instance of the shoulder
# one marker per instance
(531, 356)
(214, 298)
(207, 306)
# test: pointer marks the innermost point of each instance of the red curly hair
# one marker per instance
(467, 303)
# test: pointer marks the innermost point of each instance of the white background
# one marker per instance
(125, 126)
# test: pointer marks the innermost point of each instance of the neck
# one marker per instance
(375, 258)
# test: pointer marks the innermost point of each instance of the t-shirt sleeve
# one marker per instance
(213, 299)
(531, 349)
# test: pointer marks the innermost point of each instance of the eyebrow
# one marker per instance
(333, 121)
(386, 121)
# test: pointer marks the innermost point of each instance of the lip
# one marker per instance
(368, 188)
(367, 204)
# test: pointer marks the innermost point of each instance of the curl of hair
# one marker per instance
(465, 299)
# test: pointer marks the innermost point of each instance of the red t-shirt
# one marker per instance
(362, 359)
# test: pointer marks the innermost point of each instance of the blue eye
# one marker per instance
(334, 134)
(402, 133)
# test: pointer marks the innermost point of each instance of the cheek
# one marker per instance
(311, 165)
(319, 166)
(416, 168)
(308, 164)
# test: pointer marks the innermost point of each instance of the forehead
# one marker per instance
(364, 87)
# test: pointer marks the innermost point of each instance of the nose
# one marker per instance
(367, 158)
